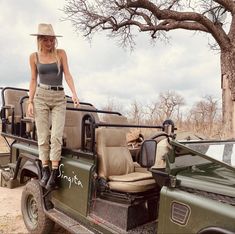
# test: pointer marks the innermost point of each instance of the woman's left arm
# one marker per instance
(68, 76)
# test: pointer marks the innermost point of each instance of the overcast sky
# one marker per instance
(102, 70)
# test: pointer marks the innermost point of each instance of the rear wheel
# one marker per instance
(32, 210)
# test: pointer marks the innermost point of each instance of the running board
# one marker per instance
(66, 222)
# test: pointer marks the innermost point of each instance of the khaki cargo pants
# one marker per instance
(49, 103)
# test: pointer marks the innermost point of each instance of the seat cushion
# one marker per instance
(138, 168)
(132, 187)
(131, 177)
(115, 163)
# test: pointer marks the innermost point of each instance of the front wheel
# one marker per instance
(32, 210)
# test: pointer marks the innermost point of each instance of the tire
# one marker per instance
(32, 210)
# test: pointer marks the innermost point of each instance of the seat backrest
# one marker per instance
(114, 158)
(24, 101)
(115, 119)
(73, 126)
(24, 114)
(11, 97)
(118, 119)
(72, 129)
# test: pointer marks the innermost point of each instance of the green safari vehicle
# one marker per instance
(155, 185)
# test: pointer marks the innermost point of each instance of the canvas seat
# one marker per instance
(27, 123)
(115, 163)
(12, 103)
(72, 130)
(11, 107)
(72, 135)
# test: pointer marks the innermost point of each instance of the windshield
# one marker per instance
(222, 152)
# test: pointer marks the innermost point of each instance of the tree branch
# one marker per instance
(229, 5)
(91, 16)
(216, 30)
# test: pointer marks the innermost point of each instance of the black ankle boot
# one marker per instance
(53, 180)
(45, 176)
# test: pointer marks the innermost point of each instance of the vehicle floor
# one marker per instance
(146, 228)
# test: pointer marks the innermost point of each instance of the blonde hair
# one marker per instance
(53, 51)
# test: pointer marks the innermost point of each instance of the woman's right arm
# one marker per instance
(33, 84)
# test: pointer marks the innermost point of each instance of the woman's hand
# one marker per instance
(75, 101)
(30, 110)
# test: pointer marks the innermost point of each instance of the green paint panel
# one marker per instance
(75, 185)
(203, 212)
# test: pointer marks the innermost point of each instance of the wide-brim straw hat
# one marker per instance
(45, 30)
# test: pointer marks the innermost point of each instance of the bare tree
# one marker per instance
(152, 113)
(112, 105)
(166, 107)
(204, 116)
(170, 103)
(136, 113)
(159, 16)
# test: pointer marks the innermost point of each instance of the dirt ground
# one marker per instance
(11, 220)
(10, 215)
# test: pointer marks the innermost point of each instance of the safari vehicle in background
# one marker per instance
(4, 149)
(161, 185)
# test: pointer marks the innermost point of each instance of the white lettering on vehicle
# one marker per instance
(70, 179)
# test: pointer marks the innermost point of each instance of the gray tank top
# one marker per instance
(48, 73)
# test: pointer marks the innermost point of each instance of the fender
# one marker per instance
(215, 230)
(31, 168)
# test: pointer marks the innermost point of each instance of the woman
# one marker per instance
(46, 98)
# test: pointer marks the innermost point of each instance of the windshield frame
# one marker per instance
(182, 148)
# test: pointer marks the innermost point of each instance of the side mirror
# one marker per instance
(148, 153)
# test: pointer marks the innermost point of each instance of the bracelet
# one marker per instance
(30, 101)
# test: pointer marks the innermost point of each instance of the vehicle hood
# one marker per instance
(210, 177)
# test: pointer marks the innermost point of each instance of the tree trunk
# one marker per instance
(228, 92)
